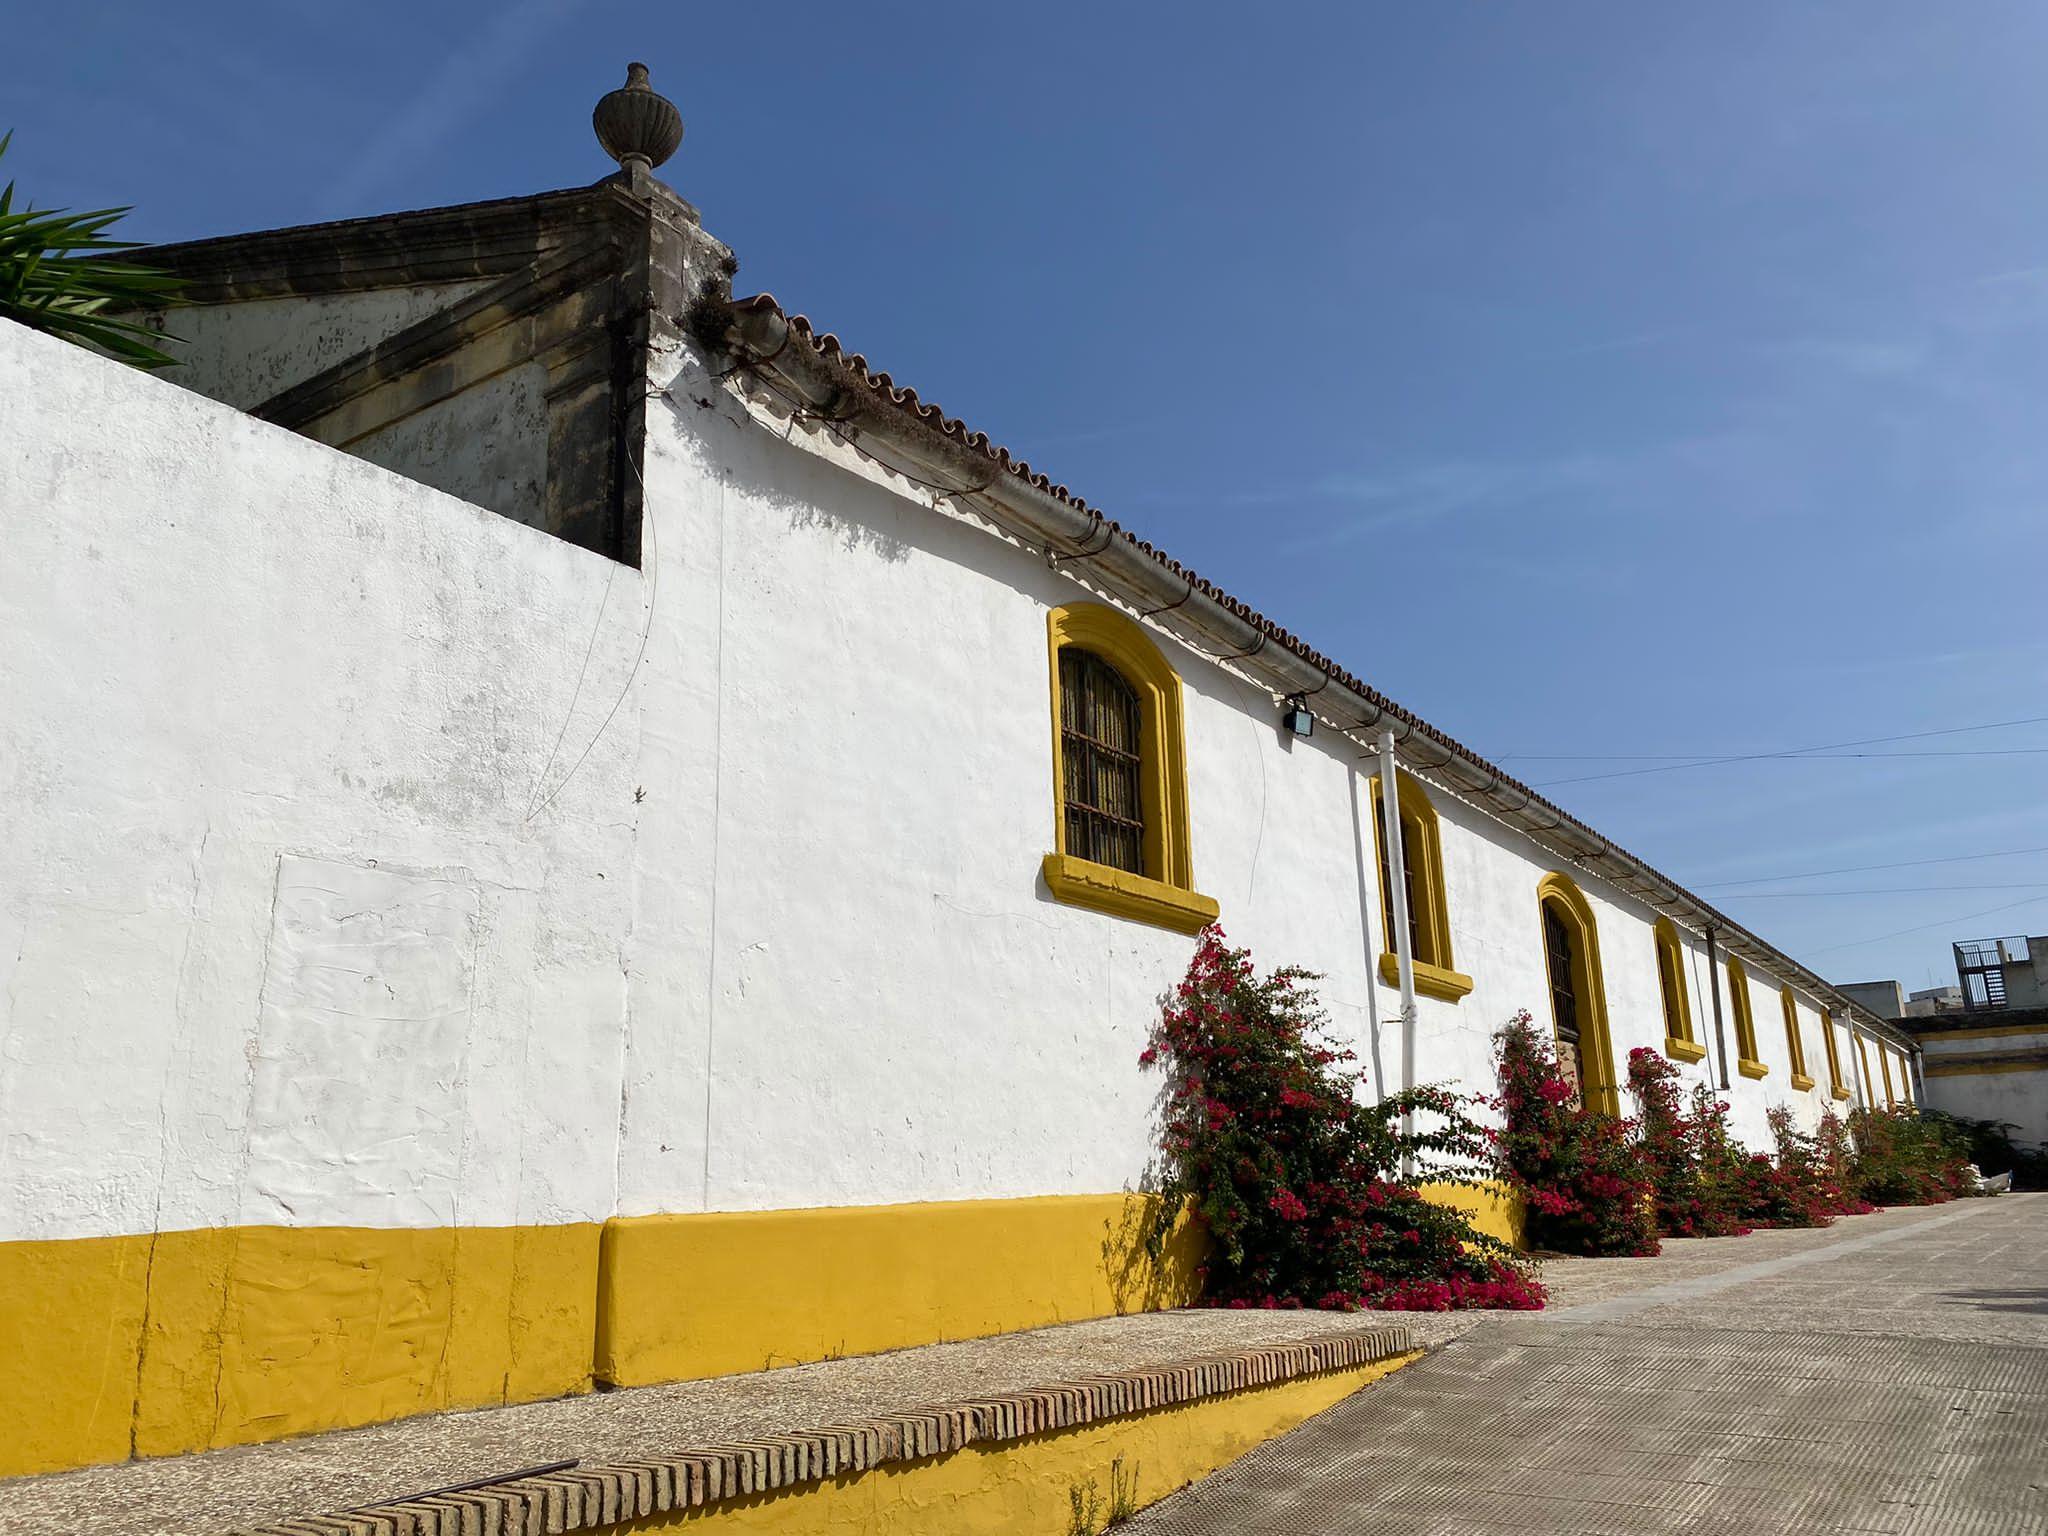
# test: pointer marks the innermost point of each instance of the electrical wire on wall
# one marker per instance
(646, 628)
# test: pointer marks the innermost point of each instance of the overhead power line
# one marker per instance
(1886, 890)
(1826, 746)
(1695, 760)
(1946, 922)
(1864, 869)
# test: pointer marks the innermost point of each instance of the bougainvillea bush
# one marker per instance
(1693, 1167)
(1269, 1138)
(1799, 1184)
(1902, 1159)
(1584, 1181)
(1707, 1185)
(1836, 1155)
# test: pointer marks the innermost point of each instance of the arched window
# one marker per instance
(1429, 913)
(1119, 773)
(1578, 994)
(1747, 1061)
(1836, 1086)
(1906, 1081)
(1679, 1043)
(1801, 1079)
(1869, 1078)
(1884, 1065)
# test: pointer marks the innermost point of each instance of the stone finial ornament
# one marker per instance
(636, 125)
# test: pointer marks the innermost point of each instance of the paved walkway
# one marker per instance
(1889, 1374)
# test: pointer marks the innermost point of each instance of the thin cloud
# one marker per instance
(1975, 658)
(1865, 359)
(450, 98)
(1620, 344)
(2017, 275)
(1590, 483)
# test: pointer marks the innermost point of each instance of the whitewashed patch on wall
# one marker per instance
(362, 1047)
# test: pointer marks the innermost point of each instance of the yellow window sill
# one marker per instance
(1750, 1068)
(1430, 980)
(1683, 1050)
(1084, 883)
(1801, 1082)
(1843, 1093)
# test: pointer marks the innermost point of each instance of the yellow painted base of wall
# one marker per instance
(720, 1293)
(152, 1346)
(1025, 1487)
(1495, 1209)
(140, 1346)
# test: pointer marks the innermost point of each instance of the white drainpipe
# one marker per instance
(1397, 919)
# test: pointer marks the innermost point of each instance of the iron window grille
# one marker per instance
(1100, 725)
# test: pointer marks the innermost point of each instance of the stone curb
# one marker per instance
(589, 1498)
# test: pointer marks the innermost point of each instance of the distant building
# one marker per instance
(2003, 973)
(1985, 1040)
(1933, 1000)
(1886, 999)
(1889, 1000)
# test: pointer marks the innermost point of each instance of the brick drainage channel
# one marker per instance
(1888, 1375)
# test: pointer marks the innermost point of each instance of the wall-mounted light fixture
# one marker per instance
(1298, 721)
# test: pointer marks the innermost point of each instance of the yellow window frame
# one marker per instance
(1801, 1080)
(1422, 851)
(1679, 1041)
(1836, 1086)
(1747, 1060)
(1164, 895)
(1601, 1082)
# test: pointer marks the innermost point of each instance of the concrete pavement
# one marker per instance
(1889, 1374)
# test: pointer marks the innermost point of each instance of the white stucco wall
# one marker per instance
(273, 880)
(279, 939)
(2018, 1097)
(849, 792)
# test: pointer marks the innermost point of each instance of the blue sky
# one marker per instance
(1596, 378)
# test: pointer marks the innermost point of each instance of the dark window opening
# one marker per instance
(1411, 843)
(1675, 1024)
(1564, 997)
(1099, 756)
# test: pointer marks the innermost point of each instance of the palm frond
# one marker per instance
(57, 276)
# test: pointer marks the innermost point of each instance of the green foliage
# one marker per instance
(56, 276)
(1904, 1158)
(1992, 1149)
(1123, 1491)
(1084, 1509)
(1085, 1515)
(1301, 1179)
